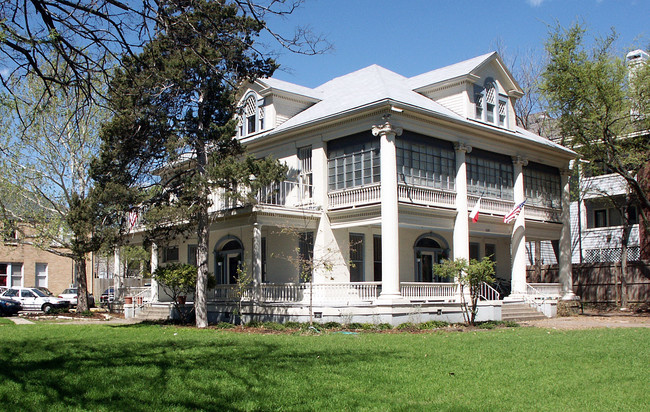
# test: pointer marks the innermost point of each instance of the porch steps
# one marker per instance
(153, 312)
(519, 311)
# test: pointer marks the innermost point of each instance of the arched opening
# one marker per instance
(228, 257)
(428, 253)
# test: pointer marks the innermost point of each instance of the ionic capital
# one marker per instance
(519, 161)
(385, 129)
(462, 147)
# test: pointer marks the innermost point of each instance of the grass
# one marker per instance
(151, 367)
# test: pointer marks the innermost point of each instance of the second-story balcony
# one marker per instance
(288, 194)
(433, 197)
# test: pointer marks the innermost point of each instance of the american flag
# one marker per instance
(133, 218)
(513, 213)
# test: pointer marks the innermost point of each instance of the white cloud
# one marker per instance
(535, 3)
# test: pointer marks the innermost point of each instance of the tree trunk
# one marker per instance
(82, 286)
(203, 239)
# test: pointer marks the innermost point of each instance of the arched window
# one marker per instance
(252, 116)
(490, 106)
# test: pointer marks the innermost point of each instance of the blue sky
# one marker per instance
(411, 37)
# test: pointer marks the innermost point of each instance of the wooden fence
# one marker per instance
(600, 282)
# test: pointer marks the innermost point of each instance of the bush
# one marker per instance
(384, 326)
(433, 324)
(491, 324)
(355, 326)
(330, 325)
(292, 325)
(255, 324)
(273, 326)
(224, 325)
(406, 326)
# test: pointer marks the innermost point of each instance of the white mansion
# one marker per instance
(384, 171)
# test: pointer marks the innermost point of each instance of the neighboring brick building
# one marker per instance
(24, 265)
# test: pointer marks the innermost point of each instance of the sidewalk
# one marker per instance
(20, 321)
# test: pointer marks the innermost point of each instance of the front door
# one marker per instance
(427, 261)
(231, 268)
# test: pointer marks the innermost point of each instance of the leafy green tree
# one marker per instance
(602, 106)
(47, 195)
(180, 280)
(172, 136)
(470, 276)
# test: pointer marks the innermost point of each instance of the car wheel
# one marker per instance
(47, 308)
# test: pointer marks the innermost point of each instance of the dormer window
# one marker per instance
(489, 105)
(252, 116)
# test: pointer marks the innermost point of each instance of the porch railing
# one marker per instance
(437, 291)
(286, 193)
(354, 196)
(488, 292)
(542, 213)
(546, 290)
(426, 196)
(299, 292)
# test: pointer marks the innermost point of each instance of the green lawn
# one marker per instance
(149, 368)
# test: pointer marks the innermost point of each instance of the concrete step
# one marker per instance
(520, 312)
(153, 312)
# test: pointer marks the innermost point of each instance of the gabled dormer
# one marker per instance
(267, 103)
(480, 89)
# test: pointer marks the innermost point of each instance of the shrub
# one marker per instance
(406, 326)
(224, 325)
(273, 326)
(330, 325)
(292, 325)
(255, 324)
(433, 324)
(355, 325)
(384, 326)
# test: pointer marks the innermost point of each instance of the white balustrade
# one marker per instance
(426, 196)
(542, 213)
(354, 196)
(487, 292)
(421, 290)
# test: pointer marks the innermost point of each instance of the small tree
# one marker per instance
(180, 279)
(471, 276)
(243, 284)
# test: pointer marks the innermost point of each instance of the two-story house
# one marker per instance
(384, 171)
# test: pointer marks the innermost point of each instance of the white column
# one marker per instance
(154, 266)
(461, 225)
(319, 174)
(257, 261)
(518, 237)
(389, 210)
(566, 275)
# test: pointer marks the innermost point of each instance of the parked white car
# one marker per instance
(70, 294)
(35, 298)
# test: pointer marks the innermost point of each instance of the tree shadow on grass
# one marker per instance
(145, 367)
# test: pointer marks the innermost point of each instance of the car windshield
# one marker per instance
(46, 291)
(70, 292)
(39, 293)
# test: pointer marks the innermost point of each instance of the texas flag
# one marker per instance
(474, 214)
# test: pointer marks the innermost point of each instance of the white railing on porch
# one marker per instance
(286, 193)
(354, 197)
(420, 290)
(545, 290)
(488, 292)
(299, 292)
(340, 292)
(542, 213)
(426, 196)
(489, 205)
